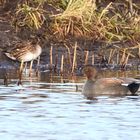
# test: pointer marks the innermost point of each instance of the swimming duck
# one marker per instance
(107, 86)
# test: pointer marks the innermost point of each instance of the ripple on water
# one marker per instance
(53, 112)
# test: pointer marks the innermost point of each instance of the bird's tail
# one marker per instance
(133, 87)
(10, 56)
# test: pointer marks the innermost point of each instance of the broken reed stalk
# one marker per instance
(112, 52)
(74, 57)
(92, 61)
(130, 6)
(126, 60)
(117, 59)
(51, 57)
(139, 51)
(128, 52)
(56, 62)
(5, 80)
(123, 57)
(110, 55)
(62, 65)
(69, 55)
(86, 58)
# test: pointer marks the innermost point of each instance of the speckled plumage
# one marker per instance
(25, 51)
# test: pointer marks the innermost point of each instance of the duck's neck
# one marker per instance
(92, 78)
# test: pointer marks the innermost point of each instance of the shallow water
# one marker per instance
(50, 108)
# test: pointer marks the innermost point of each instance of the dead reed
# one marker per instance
(51, 57)
(86, 57)
(74, 58)
(62, 65)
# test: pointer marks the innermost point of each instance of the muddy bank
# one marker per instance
(87, 52)
(99, 53)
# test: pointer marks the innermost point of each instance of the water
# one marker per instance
(46, 108)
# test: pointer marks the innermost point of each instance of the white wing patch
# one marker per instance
(124, 84)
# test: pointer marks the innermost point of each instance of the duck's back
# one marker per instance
(105, 86)
(111, 86)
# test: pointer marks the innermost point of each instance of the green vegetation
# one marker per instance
(76, 19)
(82, 18)
(116, 23)
(30, 15)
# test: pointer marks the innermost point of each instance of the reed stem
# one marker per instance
(123, 57)
(93, 59)
(62, 64)
(74, 57)
(51, 57)
(69, 55)
(86, 58)
(126, 60)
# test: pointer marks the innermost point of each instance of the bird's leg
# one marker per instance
(20, 73)
(25, 68)
(21, 67)
(38, 62)
(30, 70)
(19, 82)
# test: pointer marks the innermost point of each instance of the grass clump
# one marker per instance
(30, 14)
(109, 22)
(82, 18)
(76, 19)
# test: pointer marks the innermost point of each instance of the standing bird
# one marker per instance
(25, 52)
(107, 86)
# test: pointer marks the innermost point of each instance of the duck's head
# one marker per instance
(90, 72)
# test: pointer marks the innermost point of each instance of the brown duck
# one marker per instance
(107, 86)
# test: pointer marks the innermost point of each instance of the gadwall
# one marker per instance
(107, 86)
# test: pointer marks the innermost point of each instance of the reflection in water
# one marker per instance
(49, 108)
(12, 75)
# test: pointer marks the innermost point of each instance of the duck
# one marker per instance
(25, 51)
(95, 86)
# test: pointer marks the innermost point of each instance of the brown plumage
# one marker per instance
(25, 51)
(107, 86)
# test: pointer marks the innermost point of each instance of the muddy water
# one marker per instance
(52, 108)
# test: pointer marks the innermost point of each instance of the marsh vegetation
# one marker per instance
(104, 32)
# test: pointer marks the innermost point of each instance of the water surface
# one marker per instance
(51, 108)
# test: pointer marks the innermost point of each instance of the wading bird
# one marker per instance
(25, 52)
